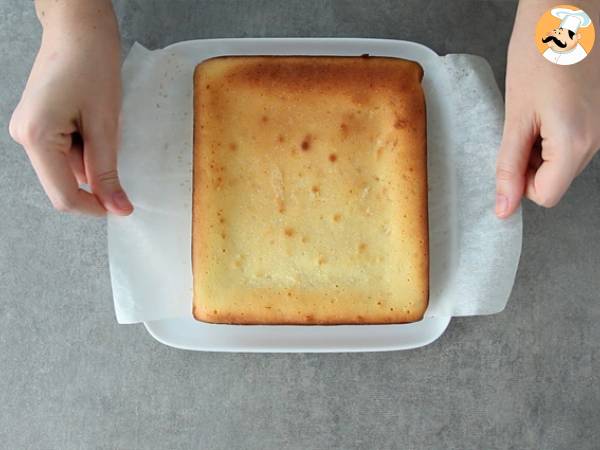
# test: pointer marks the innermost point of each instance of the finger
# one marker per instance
(547, 185)
(58, 180)
(515, 149)
(75, 157)
(100, 161)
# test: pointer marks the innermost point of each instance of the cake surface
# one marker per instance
(310, 191)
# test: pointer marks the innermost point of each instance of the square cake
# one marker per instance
(309, 191)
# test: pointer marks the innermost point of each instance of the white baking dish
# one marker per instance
(186, 333)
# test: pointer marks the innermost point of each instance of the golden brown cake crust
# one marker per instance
(310, 191)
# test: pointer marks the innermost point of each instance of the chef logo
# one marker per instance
(565, 35)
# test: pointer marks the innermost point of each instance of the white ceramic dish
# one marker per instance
(186, 333)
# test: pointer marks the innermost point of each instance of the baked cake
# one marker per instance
(310, 191)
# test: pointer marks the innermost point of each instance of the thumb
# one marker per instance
(100, 161)
(511, 166)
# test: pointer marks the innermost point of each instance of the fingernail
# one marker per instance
(501, 205)
(120, 199)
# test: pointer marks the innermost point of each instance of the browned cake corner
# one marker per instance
(310, 191)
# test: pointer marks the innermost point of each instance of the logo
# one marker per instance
(565, 35)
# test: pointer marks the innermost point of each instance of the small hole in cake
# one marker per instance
(332, 157)
(304, 239)
(337, 217)
(305, 145)
(289, 231)
(322, 260)
(391, 309)
(264, 119)
(280, 138)
(362, 247)
(400, 123)
(316, 189)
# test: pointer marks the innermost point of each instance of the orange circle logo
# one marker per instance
(565, 35)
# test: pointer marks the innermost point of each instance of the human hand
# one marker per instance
(551, 129)
(67, 118)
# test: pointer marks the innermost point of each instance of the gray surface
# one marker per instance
(70, 377)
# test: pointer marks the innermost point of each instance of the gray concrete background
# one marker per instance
(71, 378)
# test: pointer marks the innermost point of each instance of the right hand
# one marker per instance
(67, 118)
(551, 128)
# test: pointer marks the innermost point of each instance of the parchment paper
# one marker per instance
(473, 255)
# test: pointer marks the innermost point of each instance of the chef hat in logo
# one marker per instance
(571, 20)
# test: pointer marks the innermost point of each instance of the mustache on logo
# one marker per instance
(555, 40)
